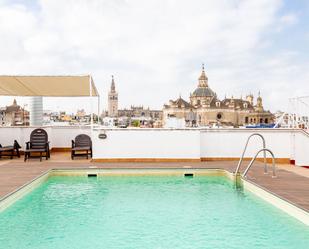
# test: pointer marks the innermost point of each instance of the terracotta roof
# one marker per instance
(180, 102)
(13, 108)
(238, 103)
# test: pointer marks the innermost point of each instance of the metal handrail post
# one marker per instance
(244, 151)
(254, 158)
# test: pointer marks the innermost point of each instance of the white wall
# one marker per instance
(231, 142)
(58, 136)
(61, 136)
(147, 143)
(301, 149)
(174, 143)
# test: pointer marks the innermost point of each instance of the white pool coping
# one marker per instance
(284, 205)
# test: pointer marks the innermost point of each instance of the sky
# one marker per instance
(155, 48)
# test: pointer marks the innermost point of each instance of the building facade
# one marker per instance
(14, 115)
(140, 111)
(205, 109)
(113, 100)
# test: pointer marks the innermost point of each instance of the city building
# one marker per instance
(140, 111)
(205, 108)
(14, 115)
(139, 115)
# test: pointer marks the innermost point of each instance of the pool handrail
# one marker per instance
(254, 158)
(244, 151)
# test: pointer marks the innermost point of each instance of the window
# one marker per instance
(245, 105)
(246, 120)
(218, 104)
(219, 116)
(266, 120)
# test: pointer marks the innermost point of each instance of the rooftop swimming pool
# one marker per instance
(146, 211)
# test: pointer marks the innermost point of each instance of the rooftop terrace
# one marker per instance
(168, 148)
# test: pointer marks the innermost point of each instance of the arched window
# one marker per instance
(246, 120)
(266, 120)
(261, 121)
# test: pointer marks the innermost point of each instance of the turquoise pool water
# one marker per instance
(146, 212)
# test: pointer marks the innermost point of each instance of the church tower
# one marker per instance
(259, 103)
(203, 95)
(113, 100)
(203, 79)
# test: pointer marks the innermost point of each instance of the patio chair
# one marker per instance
(11, 150)
(81, 146)
(38, 144)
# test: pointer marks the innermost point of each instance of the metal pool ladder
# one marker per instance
(264, 149)
(253, 159)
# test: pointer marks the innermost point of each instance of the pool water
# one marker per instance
(146, 212)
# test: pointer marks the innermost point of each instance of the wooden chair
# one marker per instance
(10, 150)
(82, 145)
(38, 144)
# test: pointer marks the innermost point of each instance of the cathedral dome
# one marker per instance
(203, 92)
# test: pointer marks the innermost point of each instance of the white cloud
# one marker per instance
(154, 48)
(289, 19)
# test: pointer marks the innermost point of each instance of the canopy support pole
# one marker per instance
(98, 110)
(91, 108)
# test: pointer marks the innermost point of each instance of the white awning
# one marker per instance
(48, 86)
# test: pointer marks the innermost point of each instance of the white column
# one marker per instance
(36, 110)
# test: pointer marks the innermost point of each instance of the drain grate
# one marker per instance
(92, 175)
(188, 174)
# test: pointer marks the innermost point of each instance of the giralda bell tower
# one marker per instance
(113, 100)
